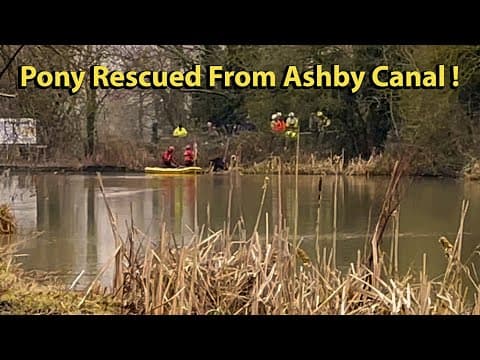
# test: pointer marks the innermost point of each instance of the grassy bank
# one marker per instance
(256, 153)
(26, 293)
(309, 164)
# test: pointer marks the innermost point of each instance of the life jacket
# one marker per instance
(188, 155)
(167, 157)
(292, 134)
(292, 122)
(279, 126)
(180, 132)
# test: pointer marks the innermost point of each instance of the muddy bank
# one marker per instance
(66, 168)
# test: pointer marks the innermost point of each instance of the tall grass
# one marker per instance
(228, 272)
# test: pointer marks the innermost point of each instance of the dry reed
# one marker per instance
(221, 273)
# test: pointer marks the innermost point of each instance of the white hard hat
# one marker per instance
(319, 113)
(291, 114)
(279, 113)
(274, 116)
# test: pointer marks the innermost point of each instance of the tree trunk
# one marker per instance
(92, 108)
(156, 107)
(140, 115)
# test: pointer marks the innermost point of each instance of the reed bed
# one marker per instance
(228, 271)
(215, 275)
(376, 164)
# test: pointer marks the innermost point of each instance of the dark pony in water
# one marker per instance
(218, 164)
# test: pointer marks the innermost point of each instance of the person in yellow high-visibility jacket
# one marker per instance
(292, 126)
(180, 131)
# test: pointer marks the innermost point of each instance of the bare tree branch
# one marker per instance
(206, 91)
(8, 95)
(9, 62)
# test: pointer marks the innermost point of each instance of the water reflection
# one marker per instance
(65, 223)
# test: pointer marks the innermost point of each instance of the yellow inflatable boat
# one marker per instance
(180, 170)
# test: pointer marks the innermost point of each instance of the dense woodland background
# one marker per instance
(443, 125)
